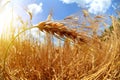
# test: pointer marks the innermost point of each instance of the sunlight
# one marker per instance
(7, 19)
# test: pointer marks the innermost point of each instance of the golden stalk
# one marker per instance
(61, 30)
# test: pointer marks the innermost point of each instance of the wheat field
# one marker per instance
(80, 54)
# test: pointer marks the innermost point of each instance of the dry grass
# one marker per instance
(88, 57)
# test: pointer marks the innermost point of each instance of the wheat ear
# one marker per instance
(61, 30)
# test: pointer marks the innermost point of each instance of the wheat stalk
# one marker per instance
(62, 31)
(10, 44)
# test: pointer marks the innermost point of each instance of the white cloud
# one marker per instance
(35, 8)
(68, 1)
(99, 6)
(93, 6)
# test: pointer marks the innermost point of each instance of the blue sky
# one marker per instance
(63, 8)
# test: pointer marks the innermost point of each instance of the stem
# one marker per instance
(12, 41)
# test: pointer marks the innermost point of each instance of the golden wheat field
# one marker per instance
(68, 51)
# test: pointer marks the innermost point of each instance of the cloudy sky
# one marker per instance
(62, 8)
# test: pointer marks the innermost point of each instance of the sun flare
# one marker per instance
(7, 19)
